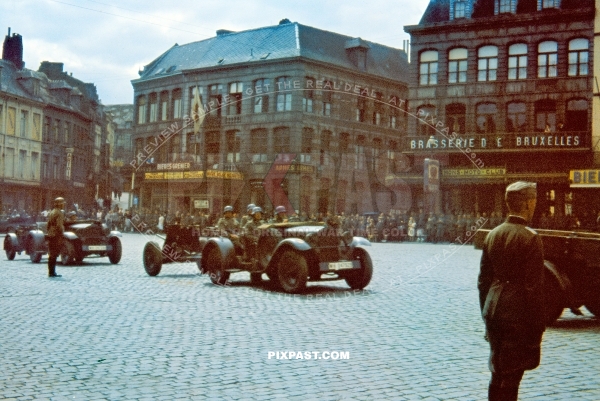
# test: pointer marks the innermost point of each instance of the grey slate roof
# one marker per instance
(279, 42)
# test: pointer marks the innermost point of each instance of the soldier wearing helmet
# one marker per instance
(229, 226)
(252, 232)
(248, 216)
(55, 229)
(280, 215)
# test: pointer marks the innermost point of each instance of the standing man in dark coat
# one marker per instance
(511, 294)
(55, 229)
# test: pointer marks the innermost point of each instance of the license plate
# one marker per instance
(340, 265)
(97, 248)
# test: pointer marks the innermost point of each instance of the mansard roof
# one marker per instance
(439, 10)
(280, 42)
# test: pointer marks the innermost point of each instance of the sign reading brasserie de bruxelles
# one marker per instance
(494, 142)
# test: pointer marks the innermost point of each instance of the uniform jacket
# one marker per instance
(230, 225)
(56, 223)
(511, 295)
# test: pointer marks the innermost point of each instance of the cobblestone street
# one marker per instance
(110, 332)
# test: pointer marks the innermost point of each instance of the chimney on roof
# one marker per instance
(51, 69)
(221, 32)
(12, 50)
(285, 21)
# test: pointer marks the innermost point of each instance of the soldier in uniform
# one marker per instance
(511, 294)
(280, 215)
(55, 230)
(230, 227)
(248, 216)
(252, 232)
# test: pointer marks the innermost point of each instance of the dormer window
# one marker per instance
(357, 52)
(549, 4)
(459, 9)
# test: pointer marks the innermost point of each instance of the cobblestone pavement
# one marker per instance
(110, 332)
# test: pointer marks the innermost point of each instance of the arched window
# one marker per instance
(457, 65)
(516, 113)
(428, 67)
(517, 61)
(547, 59)
(486, 118)
(576, 116)
(455, 117)
(578, 57)
(426, 115)
(487, 63)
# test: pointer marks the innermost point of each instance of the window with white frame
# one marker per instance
(487, 63)
(235, 98)
(261, 98)
(428, 67)
(517, 61)
(578, 57)
(284, 94)
(457, 65)
(460, 8)
(547, 59)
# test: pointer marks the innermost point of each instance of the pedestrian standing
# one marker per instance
(55, 230)
(511, 294)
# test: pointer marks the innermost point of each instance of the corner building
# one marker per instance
(330, 104)
(508, 84)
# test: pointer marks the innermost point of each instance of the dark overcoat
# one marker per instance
(511, 283)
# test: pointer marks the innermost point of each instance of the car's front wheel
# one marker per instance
(359, 279)
(292, 272)
(152, 258)
(215, 267)
(67, 253)
(115, 253)
(8, 248)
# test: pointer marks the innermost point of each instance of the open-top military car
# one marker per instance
(18, 241)
(289, 253)
(572, 275)
(81, 239)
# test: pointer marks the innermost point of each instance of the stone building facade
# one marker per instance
(290, 114)
(501, 91)
(51, 135)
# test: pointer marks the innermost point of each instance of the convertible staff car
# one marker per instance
(290, 254)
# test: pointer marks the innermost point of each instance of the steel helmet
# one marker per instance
(228, 209)
(251, 207)
(280, 209)
(59, 201)
(256, 210)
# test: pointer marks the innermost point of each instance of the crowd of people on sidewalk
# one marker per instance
(392, 226)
